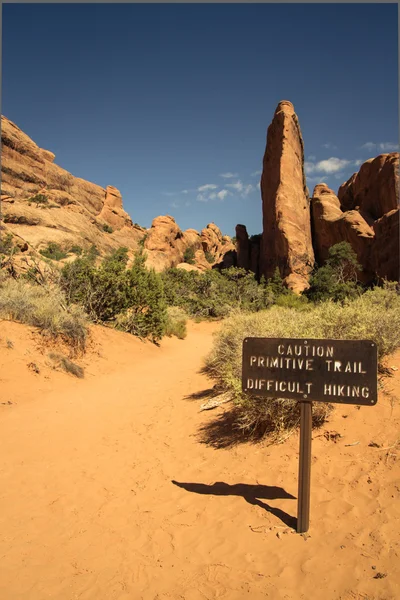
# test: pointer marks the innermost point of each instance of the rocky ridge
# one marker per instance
(44, 203)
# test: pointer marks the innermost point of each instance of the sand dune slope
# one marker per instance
(109, 492)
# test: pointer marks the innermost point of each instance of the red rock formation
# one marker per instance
(286, 241)
(385, 257)
(374, 190)
(331, 225)
(166, 244)
(242, 247)
(83, 207)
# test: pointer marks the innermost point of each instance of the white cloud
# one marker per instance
(358, 162)
(202, 198)
(212, 196)
(258, 185)
(206, 187)
(248, 189)
(238, 185)
(256, 173)
(228, 175)
(328, 145)
(168, 193)
(330, 165)
(311, 157)
(388, 147)
(223, 194)
(174, 205)
(383, 146)
(184, 191)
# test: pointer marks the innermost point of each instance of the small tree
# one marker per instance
(337, 279)
(189, 255)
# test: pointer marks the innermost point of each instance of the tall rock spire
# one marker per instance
(286, 239)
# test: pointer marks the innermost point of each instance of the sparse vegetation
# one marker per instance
(39, 199)
(337, 278)
(189, 255)
(67, 365)
(53, 251)
(176, 322)
(107, 228)
(130, 299)
(45, 308)
(374, 315)
(209, 257)
(76, 250)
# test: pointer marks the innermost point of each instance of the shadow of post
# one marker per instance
(250, 493)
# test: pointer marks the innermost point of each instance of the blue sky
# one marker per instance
(171, 103)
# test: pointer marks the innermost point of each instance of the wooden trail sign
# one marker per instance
(342, 371)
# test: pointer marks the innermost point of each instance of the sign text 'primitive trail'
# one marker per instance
(342, 371)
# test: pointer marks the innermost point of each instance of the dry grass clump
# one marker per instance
(67, 365)
(375, 316)
(45, 308)
(176, 322)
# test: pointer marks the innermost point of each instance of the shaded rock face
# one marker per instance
(376, 243)
(286, 241)
(248, 250)
(386, 255)
(374, 190)
(331, 225)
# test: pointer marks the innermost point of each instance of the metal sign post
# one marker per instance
(340, 371)
(303, 502)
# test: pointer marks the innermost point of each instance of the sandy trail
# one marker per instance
(107, 491)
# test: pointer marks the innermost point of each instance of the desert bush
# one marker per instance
(76, 250)
(67, 365)
(107, 228)
(6, 243)
(53, 251)
(337, 278)
(176, 322)
(39, 199)
(189, 255)
(209, 257)
(45, 308)
(131, 299)
(214, 294)
(375, 315)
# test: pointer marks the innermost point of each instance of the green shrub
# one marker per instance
(176, 322)
(337, 279)
(76, 250)
(209, 257)
(143, 239)
(375, 315)
(107, 228)
(6, 243)
(39, 199)
(67, 365)
(45, 308)
(53, 251)
(131, 299)
(189, 255)
(214, 294)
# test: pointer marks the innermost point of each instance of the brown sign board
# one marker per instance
(343, 371)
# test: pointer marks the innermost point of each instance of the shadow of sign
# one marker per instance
(250, 493)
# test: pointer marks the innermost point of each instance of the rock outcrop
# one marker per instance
(366, 214)
(42, 203)
(330, 225)
(165, 245)
(286, 241)
(374, 190)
